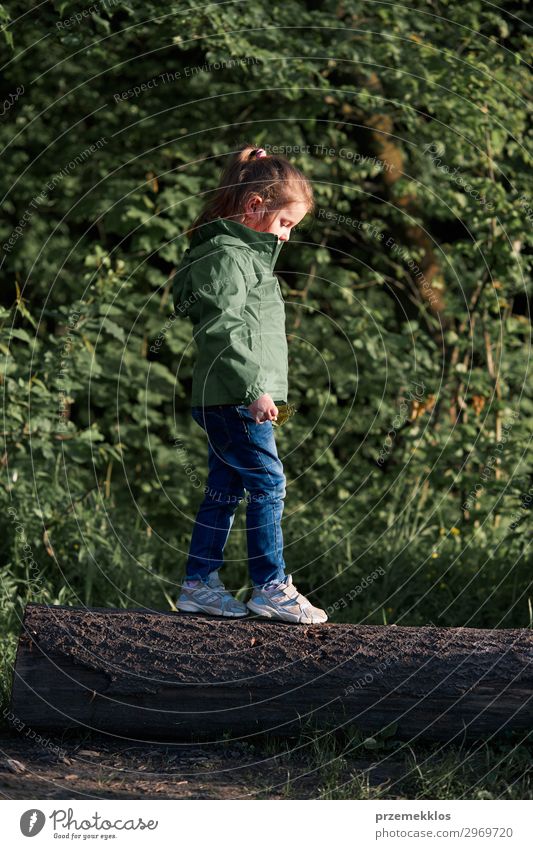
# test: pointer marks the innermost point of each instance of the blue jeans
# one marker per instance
(242, 454)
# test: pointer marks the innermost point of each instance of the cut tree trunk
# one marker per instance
(156, 675)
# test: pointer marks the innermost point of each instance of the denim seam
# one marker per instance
(222, 424)
(273, 506)
(246, 427)
(265, 468)
(274, 521)
(214, 528)
(244, 424)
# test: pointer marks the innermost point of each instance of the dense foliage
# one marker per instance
(407, 297)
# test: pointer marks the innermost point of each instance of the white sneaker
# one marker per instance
(209, 596)
(281, 600)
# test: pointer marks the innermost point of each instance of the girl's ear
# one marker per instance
(252, 207)
(254, 203)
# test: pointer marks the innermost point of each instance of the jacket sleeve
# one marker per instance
(221, 286)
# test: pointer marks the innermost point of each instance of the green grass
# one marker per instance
(473, 770)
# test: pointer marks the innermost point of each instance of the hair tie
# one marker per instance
(260, 152)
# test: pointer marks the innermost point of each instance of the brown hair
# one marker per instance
(273, 178)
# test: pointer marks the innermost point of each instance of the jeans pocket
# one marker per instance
(246, 415)
(215, 423)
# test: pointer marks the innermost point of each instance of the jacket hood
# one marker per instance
(222, 232)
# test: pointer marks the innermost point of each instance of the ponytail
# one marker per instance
(250, 171)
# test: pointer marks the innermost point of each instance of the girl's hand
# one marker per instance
(263, 409)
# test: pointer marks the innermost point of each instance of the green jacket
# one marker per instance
(226, 285)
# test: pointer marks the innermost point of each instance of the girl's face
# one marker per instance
(280, 222)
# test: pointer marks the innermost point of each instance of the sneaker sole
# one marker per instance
(192, 607)
(273, 614)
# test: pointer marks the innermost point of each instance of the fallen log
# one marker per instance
(158, 675)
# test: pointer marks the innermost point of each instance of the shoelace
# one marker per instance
(221, 590)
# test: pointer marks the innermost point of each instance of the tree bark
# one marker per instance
(158, 675)
(383, 140)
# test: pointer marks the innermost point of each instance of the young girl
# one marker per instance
(225, 284)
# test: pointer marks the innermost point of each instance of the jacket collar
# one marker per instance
(266, 244)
